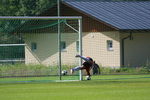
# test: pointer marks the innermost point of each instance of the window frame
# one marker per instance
(63, 45)
(109, 45)
(33, 46)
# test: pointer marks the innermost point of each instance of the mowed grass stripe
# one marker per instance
(112, 88)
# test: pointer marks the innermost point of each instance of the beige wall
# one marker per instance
(94, 45)
(136, 51)
(46, 52)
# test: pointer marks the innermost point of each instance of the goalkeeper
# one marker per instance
(87, 65)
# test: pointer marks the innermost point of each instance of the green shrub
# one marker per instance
(31, 70)
(23, 70)
(38, 70)
(125, 70)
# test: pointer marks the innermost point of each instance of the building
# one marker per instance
(114, 33)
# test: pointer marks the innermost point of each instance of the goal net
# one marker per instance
(39, 48)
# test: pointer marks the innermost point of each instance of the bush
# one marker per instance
(41, 70)
(24, 70)
(30, 70)
(146, 67)
(125, 70)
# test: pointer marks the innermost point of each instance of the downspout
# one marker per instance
(123, 42)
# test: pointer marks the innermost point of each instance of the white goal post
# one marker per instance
(79, 18)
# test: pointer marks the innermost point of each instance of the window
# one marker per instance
(33, 46)
(63, 45)
(109, 45)
(77, 46)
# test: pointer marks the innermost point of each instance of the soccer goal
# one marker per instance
(40, 48)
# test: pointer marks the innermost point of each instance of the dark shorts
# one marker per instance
(87, 64)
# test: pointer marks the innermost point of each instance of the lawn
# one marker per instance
(104, 87)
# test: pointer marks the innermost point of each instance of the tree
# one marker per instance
(20, 8)
(24, 7)
(17, 8)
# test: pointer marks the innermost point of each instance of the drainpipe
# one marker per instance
(130, 36)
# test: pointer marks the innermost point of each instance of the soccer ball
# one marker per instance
(88, 78)
(64, 72)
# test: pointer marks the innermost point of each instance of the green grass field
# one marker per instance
(103, 87)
